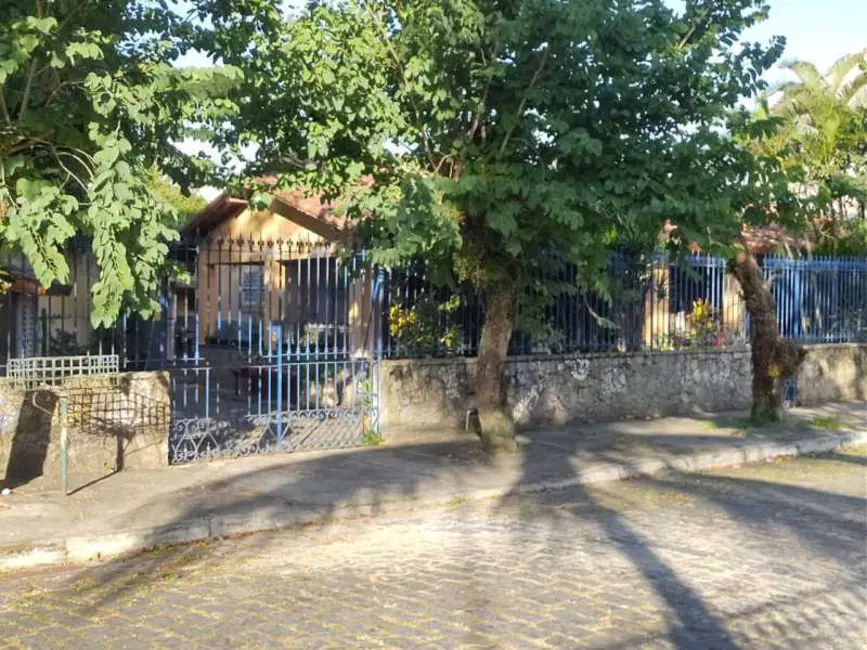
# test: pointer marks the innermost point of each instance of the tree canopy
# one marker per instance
(495, 139)
(483, 134)
(91, 112)
(498, 127)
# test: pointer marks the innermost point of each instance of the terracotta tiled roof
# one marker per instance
(226, 206)
(761, 241)
(768, 239)
(216, 212)
(313, 206)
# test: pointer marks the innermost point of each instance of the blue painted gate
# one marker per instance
(273, 348)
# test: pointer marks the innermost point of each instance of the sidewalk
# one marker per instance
(135, 510)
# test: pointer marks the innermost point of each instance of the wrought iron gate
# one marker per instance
(281, 403)
(276, 349)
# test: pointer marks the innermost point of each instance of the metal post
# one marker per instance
(279, 432)
(64, 444)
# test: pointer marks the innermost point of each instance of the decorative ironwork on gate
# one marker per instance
(274, 347)
(341, 424)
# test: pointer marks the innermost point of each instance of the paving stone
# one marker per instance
(754, 557)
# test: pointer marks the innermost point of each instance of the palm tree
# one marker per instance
(823, 132)
(845, 81)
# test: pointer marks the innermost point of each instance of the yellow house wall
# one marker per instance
(262, 225)
(660, 322)
(735, 309)
(656, 308)
(223, 261)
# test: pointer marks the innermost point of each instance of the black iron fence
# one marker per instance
(651, 304)
(330, 304)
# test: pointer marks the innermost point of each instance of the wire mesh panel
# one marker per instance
(36, 372)
(95, 413)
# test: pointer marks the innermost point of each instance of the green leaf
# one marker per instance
(42, 25)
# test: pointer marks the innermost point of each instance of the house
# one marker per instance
(249, 270)
(254, 269)
(45, 321)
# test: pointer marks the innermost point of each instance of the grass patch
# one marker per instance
(733, 428)
(373, 439)
(828, 423)
(787, 421)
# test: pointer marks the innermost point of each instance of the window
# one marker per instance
(252, 289)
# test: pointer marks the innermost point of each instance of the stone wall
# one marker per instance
(833, 373)
(113, 424)
(436, 394)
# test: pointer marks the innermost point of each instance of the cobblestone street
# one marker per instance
(769, 556)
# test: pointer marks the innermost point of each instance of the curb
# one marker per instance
(83, 549)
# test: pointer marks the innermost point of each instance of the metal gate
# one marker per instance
(273, 349)
(285, 402)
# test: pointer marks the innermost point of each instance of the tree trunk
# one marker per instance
(497, 429)
(773, 359)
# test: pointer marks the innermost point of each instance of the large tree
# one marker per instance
(91, 113)
(500, 135)
(808, 141)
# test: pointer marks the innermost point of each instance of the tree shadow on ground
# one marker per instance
(324, 488)
(847, 458)
(777, 504)
(833, 525)
(691, 622)
(373, 480)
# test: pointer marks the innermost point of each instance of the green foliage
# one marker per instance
(846, 239)
(816, 127)
(828, 423)
(90, 111)
(371, 438)
(479, 134)
(423, 328)
(371, 435)
(185, 205)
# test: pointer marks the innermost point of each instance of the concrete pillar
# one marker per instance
(656, 308)
(360, 316)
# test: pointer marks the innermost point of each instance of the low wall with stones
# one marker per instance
(436, 394)
(833, 373)
(112, 425)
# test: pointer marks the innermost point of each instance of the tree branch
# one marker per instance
(477, 118)
(440, 164)
(523, 102)
(25, 98)
(688, 37)
(401, 68)
(62, 84)
(5, 109)
(57, 153)
(77, 8)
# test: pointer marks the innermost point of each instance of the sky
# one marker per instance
(819, 31)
